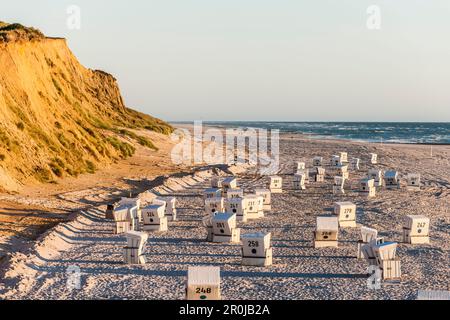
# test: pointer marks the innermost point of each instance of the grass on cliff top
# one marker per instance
(17, 26)
(27, 33)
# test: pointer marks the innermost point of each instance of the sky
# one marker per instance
(283, 60)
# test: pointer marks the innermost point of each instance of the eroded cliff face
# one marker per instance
(58, 118)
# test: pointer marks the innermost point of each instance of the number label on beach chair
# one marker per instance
(203, 283)
(326, 233)
(153, 211)
(317, 161)
(275, 182)
(235, 193)
(413, 182)
(212, 193)
(214, 205)
(335, 160)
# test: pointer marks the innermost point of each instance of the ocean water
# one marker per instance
(386, 132)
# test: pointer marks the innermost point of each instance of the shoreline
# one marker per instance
(312, 135)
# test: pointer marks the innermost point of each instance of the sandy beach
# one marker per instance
(299, 271)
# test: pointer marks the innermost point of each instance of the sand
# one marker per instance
(27, 214)
(299, 271)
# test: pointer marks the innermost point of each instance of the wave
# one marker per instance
(389, 132)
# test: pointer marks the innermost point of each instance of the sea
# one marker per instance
(386, 132)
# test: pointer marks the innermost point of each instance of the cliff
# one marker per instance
(58, 118)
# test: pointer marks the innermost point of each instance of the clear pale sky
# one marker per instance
(262, 60)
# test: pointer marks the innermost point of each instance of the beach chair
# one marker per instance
(299, 166)
(377, 176)
(134, 202)
(304, 172)
(170, 207)
(342, 170)
(154, 218)
(203, 283)
(275, 184)
(368, 186)
(326, 234)
(367, 250)
(267, 198)
(255, 206)
(385, 255)
(338, 187)
(237, 206)
(317, 161)
(319, 174)
(299, 182)
(133, 253)
(335, 161)
(433, 295)
(212, 193)
(256, 249)
(391, 180)
(224, 228)
(373, 158)
(343, 157)
(367, 235)
(413, 182)
(416, 229)
(346, 212)
(216, 182)
(228, 183)
(121, 219)
(214, 205)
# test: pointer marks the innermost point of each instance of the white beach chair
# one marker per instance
(203, 283)
(326, 234)
(346, 212)
(224, 228)
(256, 250)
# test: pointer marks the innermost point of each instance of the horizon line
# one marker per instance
(306, 121)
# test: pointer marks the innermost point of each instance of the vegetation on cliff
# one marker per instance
(58, 118)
